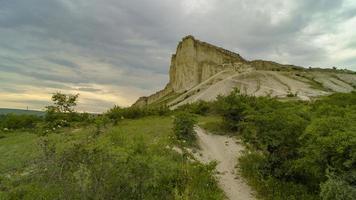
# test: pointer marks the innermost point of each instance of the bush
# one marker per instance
(268, 187)
(199, 107)
(13, 121)
(62, 113)
(233, 109)
(183, 127)
(131, 170)
(298, 142)
(276, 134)
(337, 189)
(117, 113)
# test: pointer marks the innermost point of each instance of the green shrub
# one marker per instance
(338, 99)
(276, 133)
(13, 121)
(199, 107)
(337, 189)
(268, 187)
(233, 109)
(117, 113)
(298, 143)
(132, 169)
(183, 127)
(328, 145)
(62, 113)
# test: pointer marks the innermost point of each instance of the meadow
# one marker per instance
(295, 150)
(131, 160)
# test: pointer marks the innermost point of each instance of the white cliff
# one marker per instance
(201, 71)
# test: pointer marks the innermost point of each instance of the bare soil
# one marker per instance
(225, 150)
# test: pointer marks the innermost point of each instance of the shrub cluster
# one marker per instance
(311, 146)
(58, 119)
(199, 107)
(14, 121)
(183, 127)
(118, 113)
(62, 113)
(128, 170)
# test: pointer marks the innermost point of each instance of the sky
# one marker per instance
(114, 51)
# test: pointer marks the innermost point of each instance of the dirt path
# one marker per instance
(225, 151)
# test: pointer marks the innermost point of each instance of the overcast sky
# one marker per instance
(113, 51)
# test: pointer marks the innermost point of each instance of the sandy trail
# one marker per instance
(225, 151)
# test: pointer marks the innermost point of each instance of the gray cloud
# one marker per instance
(63, 62)
(127, 44)
(88, 89)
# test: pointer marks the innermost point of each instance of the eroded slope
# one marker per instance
(201, 71)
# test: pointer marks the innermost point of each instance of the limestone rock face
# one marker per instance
(196, 61)
(201, 71)
(193, 62)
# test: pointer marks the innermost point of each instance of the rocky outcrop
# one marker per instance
(143, 101)
(201, 71)
(273, 66)
(196, 61)
(193, 62)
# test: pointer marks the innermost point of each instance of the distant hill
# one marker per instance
(202, 71)
(4, 111)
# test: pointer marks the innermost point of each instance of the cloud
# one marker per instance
(88, 89)
(121, 49)
(63, 62)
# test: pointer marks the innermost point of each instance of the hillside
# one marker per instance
(4, 111)
(201, 71)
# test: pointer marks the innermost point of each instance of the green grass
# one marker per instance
(213, 123)
(141, 144)
(151, 130)
(19, 148)
(16, 149)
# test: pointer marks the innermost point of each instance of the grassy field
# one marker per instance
(20, 148)
(136, 155)
(16, 149)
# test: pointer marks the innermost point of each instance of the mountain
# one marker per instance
(4, 111)
(202, 71)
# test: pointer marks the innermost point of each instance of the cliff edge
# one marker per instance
(193, 62)
(202, 71)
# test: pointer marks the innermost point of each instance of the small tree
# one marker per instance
(64, 103)
(115, 114)
(62, 109)
(184, 126)
(233, 108)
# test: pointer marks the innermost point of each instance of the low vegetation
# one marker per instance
(118, 113)
(184, 128)
(15, 122)
(297, 150)
(123, 154)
